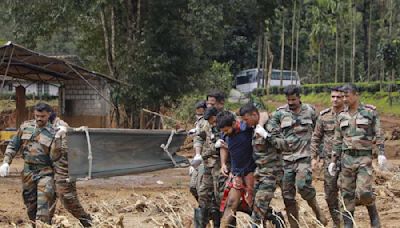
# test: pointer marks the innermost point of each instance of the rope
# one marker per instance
(165, 147)
(90, 154)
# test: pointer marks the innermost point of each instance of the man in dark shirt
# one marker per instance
(237, 144)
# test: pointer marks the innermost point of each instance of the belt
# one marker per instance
(35, 167)
(354, 152)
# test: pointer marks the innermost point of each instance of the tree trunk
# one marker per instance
(336, 50)
(259, 52)
(113, 32)
(265, 68)
(138, 18)
(365, 19)
(319, 62)
(369, 41)
(282, 48)
(297, 42)
(107, 46)
(292, 47)
(343, 42)
(353, 56)
(271, 60)
(390, 38)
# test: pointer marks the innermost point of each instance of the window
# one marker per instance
(10, 87)
(39, 89)
(46, 88)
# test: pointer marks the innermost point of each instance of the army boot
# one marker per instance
(292, 213)
(201, 217)
(86, 221)
(348, 219)
(374, 216)
(318, 213)
(335, 216)
(277, 219)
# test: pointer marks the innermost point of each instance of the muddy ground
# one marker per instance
(162, 199)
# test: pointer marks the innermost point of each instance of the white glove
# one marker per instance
(4, 169)
(192, 131)
(382, 161)
(219, 143)
(61, 132)
(261, 131)
(191, 170)
(332, 169)
(196, 160)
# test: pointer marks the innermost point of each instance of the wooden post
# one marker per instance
(20, 105)
(142, 120)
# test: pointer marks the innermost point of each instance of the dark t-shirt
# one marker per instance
(241, 150)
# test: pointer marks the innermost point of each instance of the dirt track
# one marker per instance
(160, 198)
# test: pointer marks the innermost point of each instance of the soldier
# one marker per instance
(214, 99)
(323, 135)
(295, 121)
(66, 189)
(197, 160)
(39, 143)
(357, 129)
(238, 194)
(208, 191)
(269, 170)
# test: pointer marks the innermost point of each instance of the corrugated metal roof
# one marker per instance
(33, 66)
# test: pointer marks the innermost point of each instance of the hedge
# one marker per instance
(371, 87)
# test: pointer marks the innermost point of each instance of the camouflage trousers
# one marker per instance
(195, 178)
(356, 181)
(264, 189)
(331, 190)
(297, 175)
(39, 195)
(66, 190)
(210, 190)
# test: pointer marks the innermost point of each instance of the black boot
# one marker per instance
(86, 221)
(335, 216)
(348, 219)
(216, 217)
(373, 216)
(200, 217)
(292, 213)
(317, 211)
(278, 220)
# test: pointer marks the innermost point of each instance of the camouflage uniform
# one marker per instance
(323, 135)
(38, 147)
(268, 176)
(296, 129)
(209, 191)
(65, 189)
(355, 135)
(197, 176)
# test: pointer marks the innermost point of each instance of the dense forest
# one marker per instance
(166, 49)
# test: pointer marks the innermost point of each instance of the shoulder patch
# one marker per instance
(28, 123)
(282, 107)
(370, 107)
(310, 106)
(325, 111)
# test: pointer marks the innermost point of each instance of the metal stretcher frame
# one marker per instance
(105, 152)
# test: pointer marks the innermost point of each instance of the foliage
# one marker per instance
(390, 54)
(166, 50)
(372, 87)
(217, 77)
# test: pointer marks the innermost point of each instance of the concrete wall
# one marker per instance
(81, 105)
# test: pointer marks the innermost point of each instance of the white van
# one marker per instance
(246, 80)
